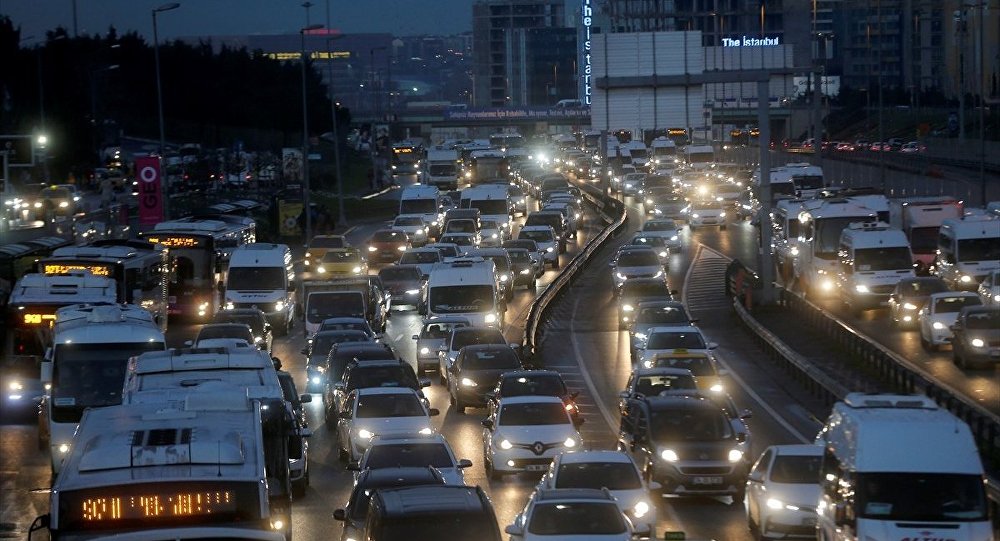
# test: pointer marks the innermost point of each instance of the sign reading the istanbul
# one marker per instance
(751, 42)
(147, 170)
(587, 20)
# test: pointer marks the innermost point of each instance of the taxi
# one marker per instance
(339, 262)
(320, 245)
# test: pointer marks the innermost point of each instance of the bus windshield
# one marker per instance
(256, 278)
(979, 249)
(418, 206)
(883, 259)
(193, 269)
(490, 206)
(325, 305)
(91, 375)
(924, 497)
(459, 299)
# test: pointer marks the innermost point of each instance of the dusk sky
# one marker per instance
(228, 17)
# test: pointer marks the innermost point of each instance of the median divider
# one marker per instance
(894, 371)
(613, 213)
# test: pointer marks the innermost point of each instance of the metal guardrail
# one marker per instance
(613, 213)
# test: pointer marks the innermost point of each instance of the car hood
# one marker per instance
(646, 269)
(393, 425)
(532, 433)
(800, 495)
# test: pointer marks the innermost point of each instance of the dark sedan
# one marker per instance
(476, 371)
(909, 297)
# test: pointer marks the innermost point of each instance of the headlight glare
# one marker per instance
(977, 342)
(735, 455)
(506, 444)
(669, 455)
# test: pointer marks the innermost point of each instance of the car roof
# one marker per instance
(803, 449)
(394, 438)
(530, 399)
(599, 455)
(674, 329)
(661, 371)
(385, 390)
(563, 494)
(948, 294)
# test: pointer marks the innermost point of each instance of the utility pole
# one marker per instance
(304, 58)
(881, 134)
(765, 265)
(982, 106)
(341, 216)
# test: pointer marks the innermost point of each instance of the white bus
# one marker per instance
(140, 269)
(168, 468)
(85, 367)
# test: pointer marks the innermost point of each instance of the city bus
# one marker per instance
(140, 269)
(19, 258)
(406, 158)
(199, 256)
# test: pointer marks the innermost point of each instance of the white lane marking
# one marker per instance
(732, 374)
(674, 519)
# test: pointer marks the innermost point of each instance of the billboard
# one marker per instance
(830, 86)
(291, 165)
(147, 172)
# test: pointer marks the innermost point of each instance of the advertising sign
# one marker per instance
(291, 165)
(147, 171)
(288, 218)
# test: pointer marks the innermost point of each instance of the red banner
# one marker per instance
(147, 172)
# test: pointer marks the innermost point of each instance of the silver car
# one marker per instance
(433, 335)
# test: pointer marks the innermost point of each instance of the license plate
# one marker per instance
(706, 481)
(995, 353)
(536, 467)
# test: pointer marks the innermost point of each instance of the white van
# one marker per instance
(424, 201)
(699, 157)
(873, 259)
(492, 200)
(261, 276)
(465, 288)
(899, 467)
(967, 251)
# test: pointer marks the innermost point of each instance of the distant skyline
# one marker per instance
(240, 17)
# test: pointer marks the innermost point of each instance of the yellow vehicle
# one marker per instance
(320, 245)
(342, 262)
(707, 376)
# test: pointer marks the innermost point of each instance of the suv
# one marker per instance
(361, 374)
(687, 444)
(461, 337)
(431, 512)
(353, 514)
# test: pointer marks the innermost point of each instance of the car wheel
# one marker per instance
(491, 472)
(740, 496)
(299, 488)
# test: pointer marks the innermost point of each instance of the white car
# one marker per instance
(424, 258)
(613, 470)
(989, 290)
(433, 334)
(546, 239)
(464, 241)
(492, 234)
(632, 183)
(661, 340)
(783, 491)
(706, 213)
(409, 450)
(524, 433)
(666, 228)
(940, 313)
(635, 262)
(414, 227)
(572, 514)
(372, 411)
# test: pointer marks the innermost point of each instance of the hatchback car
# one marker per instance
(460, 338)
(658, 313)
(635, 262)
(702, 366)
(535, 383)
(386, 245)
(476, 371)
(405, 283)
(783, 489)
(317, 351)
(413, 226)
(660, 340)
(638, 290)
(253, 317)
(562, 514)
(547, 241)
(940, 313)
(414, 450)
(523, 268)
(237, 331)
(319, 245)
(339, 262)
(909, 296)
(423, 258)
(433, 334)
(659, 244)
(523, 433)
(353, 515)
(707, 213)
(653, 381)
(372, 411)
(464, 241)
(976, 339)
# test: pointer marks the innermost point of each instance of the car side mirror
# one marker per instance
(433, 412)
(464, 463)
(746, 414)
(741, 437)
(424, 382)
(415, 337)
(487, 424)
(712, 345)
(340, 514)
(305, 398)
(755, 477)
(304, 351)
(189, 343)
(513, 529)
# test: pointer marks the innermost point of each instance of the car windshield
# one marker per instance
(661, 314)
(408, 221)
(632, 290)
(675, 340)
(533, 413)
(540, 385)
(323, 342)
(389, 405)
(225, 331)
(979, 249)
(411, 258)
(345, 326)
(952, 305)
(577, 518)
(828, 232)
(439, 331)
(469, 337)
(638, 258)
(491, 224)
(699, 366)
(649, 241)
(400, 274)
(351, 256)
(418, 206)
(389, 236)
(519, 257)
(502, 358)
(461, 240)
(437, 527)
(883, 259)
(541, 236)
(983, 320)
(401, 455)
(254, 322)
(325, 305)
(382, 376)
(255, 278)
(441, 169)
(660, 226)
(461, 226)
(654, 385)
(327, 242)
(796, 469)
(922, 288)
(461, 299)
(490, 206)
(690, 424)
(924, 497)
(609, 475)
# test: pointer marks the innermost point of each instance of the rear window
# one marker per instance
(400, 274)
(638, 258)
(490, 359)
(675, 340)
(389, 236)
(948, 305)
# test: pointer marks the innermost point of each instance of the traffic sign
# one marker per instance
(20, 151)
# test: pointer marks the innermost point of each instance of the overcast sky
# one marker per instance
(229, 17)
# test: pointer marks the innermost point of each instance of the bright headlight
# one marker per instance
(640, 509)
(640, 336)
(938, 326)
(673, 237)
(372, 248)
(63, 204)
(356, 270)
(525, 271)
(316, 380)
(466, 382)
(412, 291)
(695, 215)
(504, 277)
(365, 434)
(279, 306)
(909, 306)
(621, 276)
(977, 342)
(735, 455)
(965, 279)
(663, 254)
(506, 444)
(669, 455)
(570, 442)
(491, 318)
(996, 298)
(717, 388)
(549, 249)
(63, 448)
(861, 288)
(627, 308)
(401, 248)
(425, 351)
(722, 214)
(658, 274)
(15, 386)
(229, 306)
(426, 430)
(649, 201)
(774, 503)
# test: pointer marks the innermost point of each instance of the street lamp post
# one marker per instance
(305, 130)
(341, 218)
(159, 99)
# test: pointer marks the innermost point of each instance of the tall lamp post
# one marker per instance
(305, 130)
(341, 218)
(159, 99)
